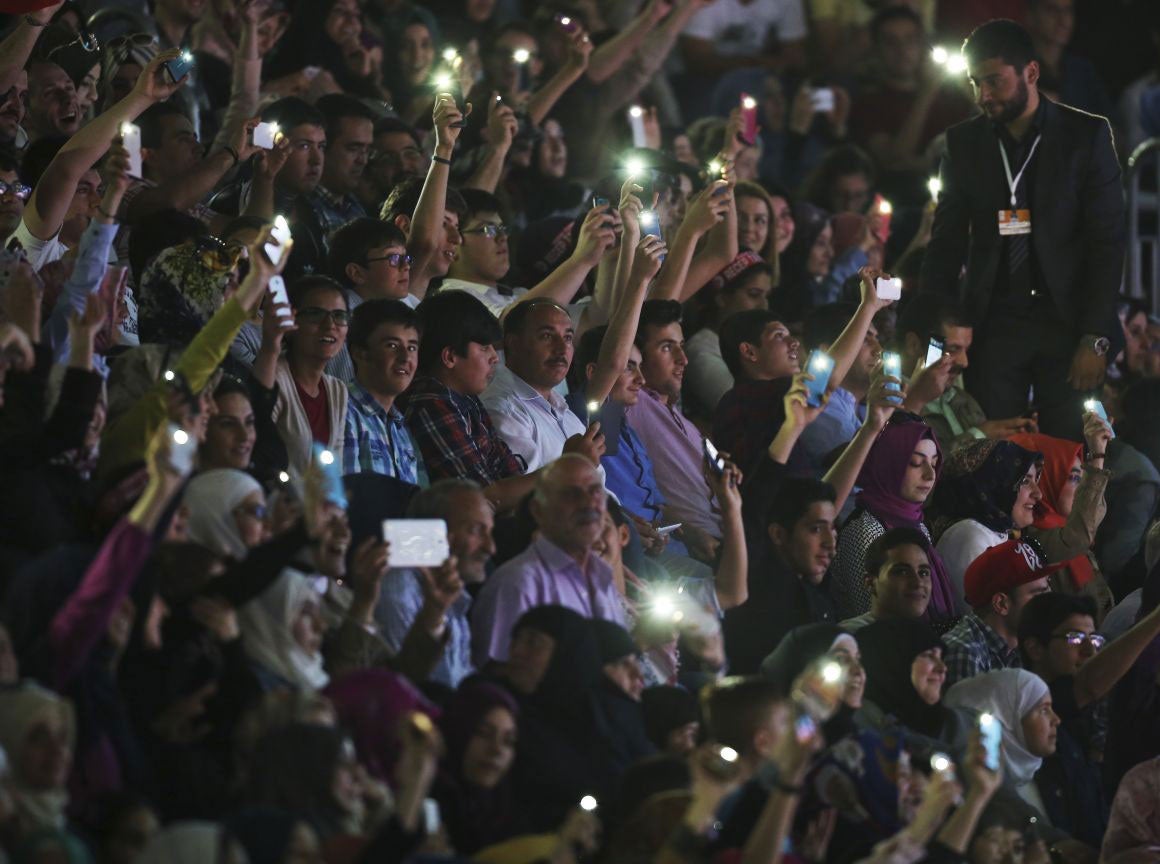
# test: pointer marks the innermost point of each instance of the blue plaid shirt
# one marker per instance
(334, 211)
(376, 440)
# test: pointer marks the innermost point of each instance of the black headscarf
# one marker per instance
(888, 652)
(797, 650)
(794, 295)
(980, 482)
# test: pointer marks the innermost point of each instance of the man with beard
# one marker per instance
(559, 566)
(1031, 202)
(349, 134)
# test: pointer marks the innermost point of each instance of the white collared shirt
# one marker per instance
(534, 428)
(491, 297)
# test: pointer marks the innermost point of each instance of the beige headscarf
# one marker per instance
(22, 709)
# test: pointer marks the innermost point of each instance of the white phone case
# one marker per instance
(131, 138)
(281, 233)
(889, 289)
(264, 135)
(416, 542)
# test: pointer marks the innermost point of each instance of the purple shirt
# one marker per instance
(540, 575)
(676, 448)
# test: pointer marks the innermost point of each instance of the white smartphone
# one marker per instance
(131, 138)
(432, 820)
(636, 123)
(888, 288)
(281, 233)
(281, 298)
(182, 449)
(416, 542)
(934, 352)
(822, 99)
(265, 135)
(666, 530)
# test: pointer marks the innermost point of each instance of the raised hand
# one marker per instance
(647, 262)
(442, 586)
(502, 123)
(798, 411)
(595, 238)
(630, 206)
(84, 326)
(154, 82)
(882, 400)
(590, 445)
(709, 208)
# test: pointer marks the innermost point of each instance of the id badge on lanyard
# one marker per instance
(1016, 220)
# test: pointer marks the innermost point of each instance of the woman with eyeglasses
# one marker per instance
(310, 405)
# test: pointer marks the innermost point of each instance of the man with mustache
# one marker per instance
(528, 413)
(899, 575)
(558, 567)
(1033, 205)
(953, 413)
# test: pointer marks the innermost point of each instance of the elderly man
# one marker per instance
(559, 567)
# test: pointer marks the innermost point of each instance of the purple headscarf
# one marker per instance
(881, 483)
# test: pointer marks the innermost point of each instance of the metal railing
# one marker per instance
(1146, 203)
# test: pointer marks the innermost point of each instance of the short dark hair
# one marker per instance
(453, 319)
(290, 112)
(842, 161)
(588, 348)
(795, 497)
(478, 201)
(1044, 612)
(387, 125)
(742, 328)
(735, 708)
(404, 198)
(878, 550)
(925, 313)
(1000, 38)
(336, 107)
(351, 243)
(824, 324)
(518, 314)
(369, 314)
(893, 13)
(656, 313)
(151, 118)
(229, 386)
(304, 285)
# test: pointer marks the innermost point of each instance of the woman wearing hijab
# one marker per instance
(553, 667)
(480, 727)
(282, 632)
(227, 511)
(38, 733)
(904, 677)
(988, 490)
(183, 288)
(1135, 822)
(897, 478)
(618, 695)
(1021, 702)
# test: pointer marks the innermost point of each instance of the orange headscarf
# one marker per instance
(1058, 457)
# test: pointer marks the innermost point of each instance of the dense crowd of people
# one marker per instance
(616, 430)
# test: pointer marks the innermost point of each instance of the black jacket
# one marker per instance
(1077, 217)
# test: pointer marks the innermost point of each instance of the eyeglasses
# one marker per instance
(136, 40)
(217, 255)
(1075, 638)
(395, 259)
(19, 190)
(395, 157)
(316, 314)
(490, 231)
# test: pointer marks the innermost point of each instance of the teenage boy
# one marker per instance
(899, 574)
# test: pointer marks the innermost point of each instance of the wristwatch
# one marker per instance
(1099, 345)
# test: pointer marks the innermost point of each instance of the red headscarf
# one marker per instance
(1058, 457)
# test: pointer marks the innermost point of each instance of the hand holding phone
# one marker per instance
(280, 300)
(332, 488)
(748, 119)
(636, 124)
(179, 66)
(650, 223)
(182, 450)
(714, 458)
(282, 237)
(821, 366)
(416, 542)
(822, 100)
(892, 366)
(265, 135)
(888, 288)
(131, 140)
(991, 737)
(934, 352)
(1095, 406)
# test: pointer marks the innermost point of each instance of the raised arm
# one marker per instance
(426, 234)
(844, 472)
(502, 126)
(845, 349)
(542, 102)
(731, 578)
(608, 59)
(17, 45)
(562, 283)
(54, 194)
(712, 213)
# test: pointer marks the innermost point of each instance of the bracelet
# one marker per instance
(440, 160)
(32, 22)
(233, 153)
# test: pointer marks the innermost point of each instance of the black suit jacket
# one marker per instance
(1077, 217)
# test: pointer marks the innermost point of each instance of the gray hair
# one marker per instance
(434, 502)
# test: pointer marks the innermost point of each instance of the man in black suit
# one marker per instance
(1032, 204)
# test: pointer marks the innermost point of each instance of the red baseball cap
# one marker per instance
(1003, 568)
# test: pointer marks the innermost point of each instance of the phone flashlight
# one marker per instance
(593, 407)
(521, 55)
(283, 477)
(588, 803)
(326, 457)
(956, 64)
(180, 436)
(715, 168)
(885, 207)
(634, 167)
(831, 672)
(934, 184)
(450, 55)
(940, 55)
(443, 81)
(748, 103)
(940, 762)
(727, 754)
(169, 376)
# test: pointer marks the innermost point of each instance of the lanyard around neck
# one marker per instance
(1013, 184)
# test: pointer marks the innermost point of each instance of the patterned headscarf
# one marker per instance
(178, 295)
(979, 482)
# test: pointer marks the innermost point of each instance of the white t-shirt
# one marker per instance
(39, 252)
(742, 29)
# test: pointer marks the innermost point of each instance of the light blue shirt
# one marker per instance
(400, 600)
(835, 427)
(88, 270)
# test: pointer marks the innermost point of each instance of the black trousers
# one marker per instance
(1020, 352)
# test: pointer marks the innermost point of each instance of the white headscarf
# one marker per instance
(21, 709)
(1008, 695)
(187, 843)
(211, 498)
(267, 622)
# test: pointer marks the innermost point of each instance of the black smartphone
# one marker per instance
(714, 458)
(179, 66)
